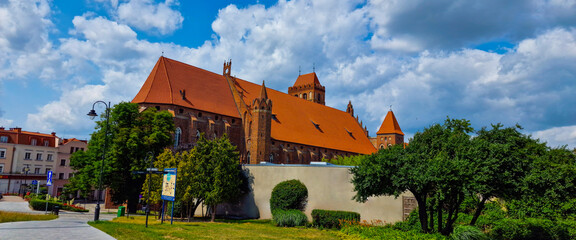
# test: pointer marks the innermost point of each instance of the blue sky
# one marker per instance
(487, 61)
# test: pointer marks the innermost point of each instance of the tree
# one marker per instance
(503, 158)
(209, 173)
(131, 134)
(435, 168)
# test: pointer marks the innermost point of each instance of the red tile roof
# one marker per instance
(307, 79)
(390, 125)
(177, 83)
(296, 120)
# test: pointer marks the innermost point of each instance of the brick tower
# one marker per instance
(389, 133)
(308, 87)
(261, 127)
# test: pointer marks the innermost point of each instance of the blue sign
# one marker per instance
(49, 178)
(34, 182)
(169, 184)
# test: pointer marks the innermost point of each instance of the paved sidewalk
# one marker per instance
(69, 225)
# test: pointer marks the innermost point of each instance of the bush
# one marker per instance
(361, 231)
(289, 218)
(291, 194)
(463, 232)
(530, 228)
(40, 205)
(331, 219)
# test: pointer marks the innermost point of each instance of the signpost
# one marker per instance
(48, 184)
(169, 190)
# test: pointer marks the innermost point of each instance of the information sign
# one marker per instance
(169, 184)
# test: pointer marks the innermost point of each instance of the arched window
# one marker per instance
(177, 135)
(197, 133)
(304, 96)
(248, 157)
(271, 157)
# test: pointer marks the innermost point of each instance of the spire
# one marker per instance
(350, 108)
(263, 93)
(390, 125)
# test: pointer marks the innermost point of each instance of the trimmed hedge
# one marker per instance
(331, 219)
(291, 194)
(289, 218)
(40, 205)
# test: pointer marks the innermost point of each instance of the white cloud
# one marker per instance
(146, 15)
(558, 136)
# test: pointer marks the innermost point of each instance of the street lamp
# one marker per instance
(25, 170)
(92, 115)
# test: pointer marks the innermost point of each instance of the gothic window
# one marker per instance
(177, 135)
(381, 146)
(198, 133)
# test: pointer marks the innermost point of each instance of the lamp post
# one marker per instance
(25, 170)
(92, 115)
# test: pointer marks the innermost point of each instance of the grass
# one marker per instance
(17, 217)
(133, 228)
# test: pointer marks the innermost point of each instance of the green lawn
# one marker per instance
(17, 217)
(133, 228)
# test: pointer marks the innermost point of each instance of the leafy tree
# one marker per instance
(435, 168)
(131, 134)
(209, 173)
(503, 158)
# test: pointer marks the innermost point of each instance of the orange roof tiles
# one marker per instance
(390, 125)
(296, 119)
(307, 79)
(177, 83)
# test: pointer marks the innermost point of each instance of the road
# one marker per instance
(68, 226)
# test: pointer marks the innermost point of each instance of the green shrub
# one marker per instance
(331, 219)
(359, 231)
(289, 218)
(291, 194)
(530, 228)
(40, 205)
(464, 232)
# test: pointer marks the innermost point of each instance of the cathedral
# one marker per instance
(266, 125)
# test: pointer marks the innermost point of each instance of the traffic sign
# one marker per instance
(34, 182)
(49, 178)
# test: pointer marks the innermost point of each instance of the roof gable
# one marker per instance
(177, 83)
(390, 125)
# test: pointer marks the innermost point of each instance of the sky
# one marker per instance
(491, 61)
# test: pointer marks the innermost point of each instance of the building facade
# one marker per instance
(25, 157)
(266, 125)
(62, 170)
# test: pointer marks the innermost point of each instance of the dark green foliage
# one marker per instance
(290, 194)
(40, 205)
(385, 233)
(464, 232)
(331, 219)
(531, 229)
(289, 218)
(124, 143)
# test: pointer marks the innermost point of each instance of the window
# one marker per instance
(46, 143)
(38, 156)
(37, 170)
(305, 96)
(48, 170)
(60, 175)
(1, 168)
(62, 162)
(49, 158)
(70, 175)
(177, 135)
(2, 153)
(33, 142)
(71, 150)
(27, 155)
(4, 139)
(248, 157)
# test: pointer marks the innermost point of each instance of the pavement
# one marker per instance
(68, 226)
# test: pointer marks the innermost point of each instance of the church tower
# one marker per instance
(308, 87)
(389, 133)
(261, 128)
